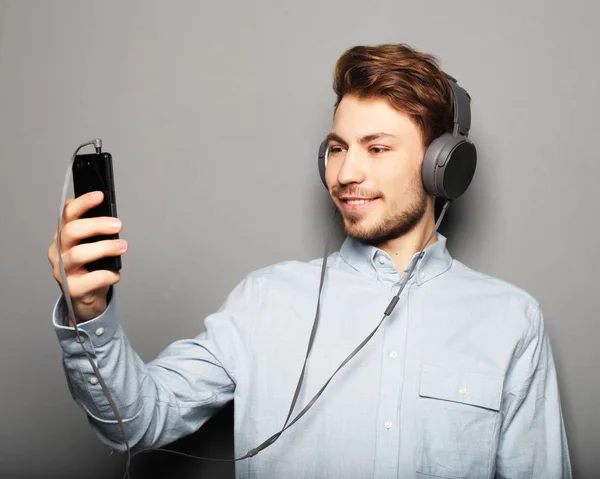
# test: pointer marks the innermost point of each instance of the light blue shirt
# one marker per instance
(458, 382)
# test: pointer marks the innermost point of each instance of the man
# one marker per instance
(458, 381)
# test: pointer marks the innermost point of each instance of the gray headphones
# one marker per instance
(450, 160)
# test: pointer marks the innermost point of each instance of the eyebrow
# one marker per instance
(365, 139)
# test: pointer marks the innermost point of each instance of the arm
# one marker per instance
(167, 398)
(533, 441)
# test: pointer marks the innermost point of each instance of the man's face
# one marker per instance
(374, 170)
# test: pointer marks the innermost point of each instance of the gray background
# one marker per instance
(213, 114)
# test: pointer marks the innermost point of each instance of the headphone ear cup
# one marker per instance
(449, 166)
(322, 161)
(430, 161)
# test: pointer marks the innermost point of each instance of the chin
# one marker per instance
(362, 230)
(381, 230)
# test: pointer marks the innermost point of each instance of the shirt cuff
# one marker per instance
(97, 331)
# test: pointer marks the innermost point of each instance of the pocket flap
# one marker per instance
(465, 387)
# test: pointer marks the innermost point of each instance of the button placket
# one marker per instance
(392, 376)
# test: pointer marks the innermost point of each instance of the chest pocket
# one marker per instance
(458, 420)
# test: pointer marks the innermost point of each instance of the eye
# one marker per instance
(378, 150)
(335, 149)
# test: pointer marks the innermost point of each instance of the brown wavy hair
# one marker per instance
(411, 81)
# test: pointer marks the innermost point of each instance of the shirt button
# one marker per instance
(372, 272)
(99, 331)
(393, 355)
(388, 424)
(422, 275)
(382, 259)
(462, 391)
(79, 339)
(94, 380)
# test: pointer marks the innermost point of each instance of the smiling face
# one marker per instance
(374, 170)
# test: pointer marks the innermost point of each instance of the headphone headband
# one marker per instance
(462, 108)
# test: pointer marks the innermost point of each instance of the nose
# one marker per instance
(352, 169)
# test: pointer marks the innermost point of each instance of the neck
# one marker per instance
(402, 249)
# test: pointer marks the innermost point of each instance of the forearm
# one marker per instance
(149, 401)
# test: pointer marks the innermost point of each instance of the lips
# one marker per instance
(357, 204)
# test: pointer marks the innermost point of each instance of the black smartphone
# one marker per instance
(94, 172)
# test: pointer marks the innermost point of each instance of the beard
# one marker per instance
(395, 223)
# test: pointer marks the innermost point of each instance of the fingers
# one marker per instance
(75, 207)
(76, 230)
(79, 255)
(85, 284)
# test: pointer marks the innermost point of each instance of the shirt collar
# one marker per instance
(372, 261)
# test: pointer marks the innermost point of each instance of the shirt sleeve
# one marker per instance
(533, 441)
(164, 399)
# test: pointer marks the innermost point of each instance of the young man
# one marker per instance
(458, 381)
